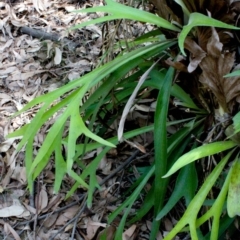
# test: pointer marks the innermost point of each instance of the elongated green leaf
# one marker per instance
(28, 162)
(50, 112)
(233, 130)
(87, 172)
(120, 11)
(160, 145)
(236, 122)
(35, 125)
(190, 215)
(177, 138)
(145, 208)
(225, 224)
(184, 8)
(97, 75)
(108, 85)
(200, 152)
(187, 180)
(44, 160)
(233, 74)
(61, 168)
(93, 136)
(49, 140)
(77, 127)
(133, 196)
(18, 133)
(114, 140)
(92, 186)
(50, 97)
(197, 19)
(179, 93)
(78, 179)
(75, 130)
(216, 209)
(60, 165)
(160, 138)
(233, 200)
(120, 228)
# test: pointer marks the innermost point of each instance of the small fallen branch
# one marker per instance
(36, 33)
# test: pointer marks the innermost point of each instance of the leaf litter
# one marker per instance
(29, 67)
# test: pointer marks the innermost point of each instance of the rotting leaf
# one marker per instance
(177, 65)
(67, 215)
(129, 232)
(42, 200)
(92, 228)
(214, 66)
(196, 54)
(108, 233)
(50, 221)
(14, 210)
(8, 229)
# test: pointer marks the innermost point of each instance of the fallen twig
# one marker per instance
(49, 36)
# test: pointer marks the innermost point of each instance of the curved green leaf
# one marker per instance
(200, 152)
(190, 215)
(196, 20)
(233, 74)
(187, 180)
(233, 200)
(120, 11)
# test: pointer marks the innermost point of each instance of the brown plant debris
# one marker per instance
(33, 64)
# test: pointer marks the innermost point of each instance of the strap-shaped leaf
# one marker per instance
(120, 11)
(197, 19)
(200, 152)
(233, 200)
(190, 215)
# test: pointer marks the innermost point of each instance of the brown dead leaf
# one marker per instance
(53, 203)
(168, 224)
(19, 174)
(196, 54)
(14, 210)
(149, 226)
(50, 221)
(67, 215)
(8, 229)
(129, 232)
(105, 165)
(137, 145)
(4, 146)
(177, 65)
(214, 66)
(30, 209)
(24, 76)
(7, 177)
(108, 232)
(92, 228)
(165, 11)
(42, 199)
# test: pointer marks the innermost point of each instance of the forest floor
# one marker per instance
(37, 56)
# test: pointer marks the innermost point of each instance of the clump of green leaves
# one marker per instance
(174, 152)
